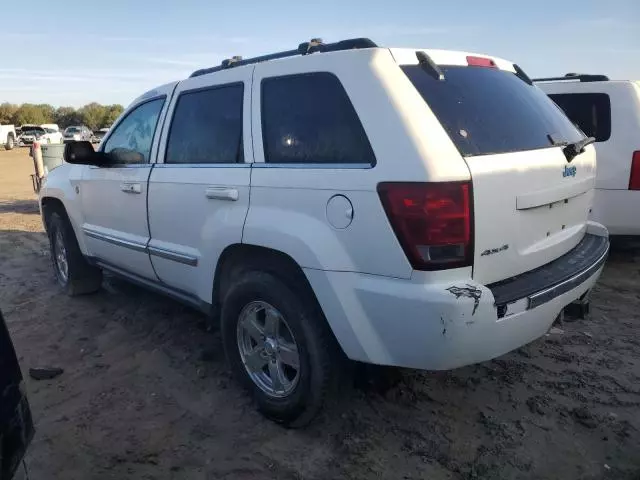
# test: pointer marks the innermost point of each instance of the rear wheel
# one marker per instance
(279, 347)
(74, 274)
(10, 142)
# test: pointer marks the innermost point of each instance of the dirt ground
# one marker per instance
(145, 393)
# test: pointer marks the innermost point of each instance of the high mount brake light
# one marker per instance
(481, 62)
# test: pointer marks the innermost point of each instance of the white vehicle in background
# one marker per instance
(98, 135)
(52, 133)
(77, 133)
(609, 111)
(51, 126)
(32, 133)
(8, 137)
(339, 200)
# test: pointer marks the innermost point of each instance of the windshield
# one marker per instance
(72, 130)
(32, 130)
(488, 110)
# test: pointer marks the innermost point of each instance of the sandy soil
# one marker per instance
(145, 393)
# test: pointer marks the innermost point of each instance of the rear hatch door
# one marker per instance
(530, 202)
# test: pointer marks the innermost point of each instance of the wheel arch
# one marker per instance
(241, 257)
(49, 203)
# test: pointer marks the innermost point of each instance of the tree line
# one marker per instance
(93, 115)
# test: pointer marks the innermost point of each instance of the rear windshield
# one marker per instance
(488, 111)
(72, 130)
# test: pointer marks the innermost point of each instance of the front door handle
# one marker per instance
(128, 187)
(222, 193)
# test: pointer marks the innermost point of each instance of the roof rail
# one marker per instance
(574, 77)
(315, 45)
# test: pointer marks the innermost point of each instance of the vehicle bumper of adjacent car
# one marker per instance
(440, 326)
(617, 210)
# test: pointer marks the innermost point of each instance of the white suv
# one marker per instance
(416, 208)
(609, 111)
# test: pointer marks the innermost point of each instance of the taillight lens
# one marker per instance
(432, 222)
(634, 177)
(481, 62)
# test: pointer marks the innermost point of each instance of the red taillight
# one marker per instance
(634, 177)
(481, 62)
(432, 222)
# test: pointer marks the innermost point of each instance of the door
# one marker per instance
(114, 197)
(199, 189)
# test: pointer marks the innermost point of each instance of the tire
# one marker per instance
(317, 350)
(80, 277)
(10, 142)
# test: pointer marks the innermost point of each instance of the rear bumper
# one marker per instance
(617, 210)
(439, 326)
(553, 279)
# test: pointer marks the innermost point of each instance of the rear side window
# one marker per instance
(207, 126)
(489, 111)
(590, 111)
(309, 119)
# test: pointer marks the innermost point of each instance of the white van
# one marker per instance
(609, 111)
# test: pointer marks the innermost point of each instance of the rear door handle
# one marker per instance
(222, 193)
(131, 187)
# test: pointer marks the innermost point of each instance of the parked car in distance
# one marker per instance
(389, 222)
(16, 424)
(77, 133)
(98, 135)
(51, 126)
(8, 136)
(609, 111)
(31, 133)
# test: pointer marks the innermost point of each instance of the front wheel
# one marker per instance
(279, 346)
(74, 274)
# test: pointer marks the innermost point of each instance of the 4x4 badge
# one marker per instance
(491, 251)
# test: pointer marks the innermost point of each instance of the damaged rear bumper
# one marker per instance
(439, 326)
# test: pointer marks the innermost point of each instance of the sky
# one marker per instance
(73, 53)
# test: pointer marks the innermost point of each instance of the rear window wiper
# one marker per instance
(572, 150)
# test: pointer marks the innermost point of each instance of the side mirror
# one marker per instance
(82, 153)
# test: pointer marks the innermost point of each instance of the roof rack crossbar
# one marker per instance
(574, 77)
(306, 48)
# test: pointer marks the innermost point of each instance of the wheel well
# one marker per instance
(242, 257)
(50, 205)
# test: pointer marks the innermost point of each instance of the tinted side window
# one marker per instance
(207, 127)
(590, 111)
(130, 142)
(309, 119)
